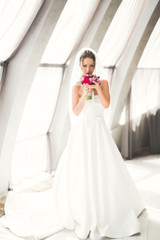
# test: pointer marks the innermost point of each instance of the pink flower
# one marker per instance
(89, 78)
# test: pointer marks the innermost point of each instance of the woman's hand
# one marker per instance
(94, 86)
(85, 89)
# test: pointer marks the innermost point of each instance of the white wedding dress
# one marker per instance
(92, 193)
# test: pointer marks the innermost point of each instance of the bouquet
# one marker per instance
(89, 79)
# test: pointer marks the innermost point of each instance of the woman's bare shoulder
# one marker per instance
(76, 87)
(104, 81)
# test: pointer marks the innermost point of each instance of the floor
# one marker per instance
(145, 172)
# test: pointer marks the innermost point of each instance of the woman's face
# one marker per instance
(87, 65)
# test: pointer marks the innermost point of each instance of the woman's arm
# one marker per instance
(102, 92)
(78, 102)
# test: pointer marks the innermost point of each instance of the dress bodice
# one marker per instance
(93, 108)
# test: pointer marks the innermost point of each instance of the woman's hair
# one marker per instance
(87, 54)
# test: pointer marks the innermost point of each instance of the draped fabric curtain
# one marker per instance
(120, 31)
(1, 73)
(66, 37)
(3, 70)
(141, 132)
(32, 154)
(151, 57)
(29, 163)
(15, 19)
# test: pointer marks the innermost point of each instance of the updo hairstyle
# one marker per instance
(87, 54)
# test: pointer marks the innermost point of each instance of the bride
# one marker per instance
(92, 193)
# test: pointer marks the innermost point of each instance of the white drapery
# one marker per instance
(31, 154)
(30, 160)
(41, 102)
(145, 94)
(15, 19)
(147, 70)
(140, 132)
(69, 30)
(32, 145)
(120, 31)
(1, 72)
(151, 54)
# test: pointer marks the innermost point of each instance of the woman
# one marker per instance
(87, 64)
(93, 193)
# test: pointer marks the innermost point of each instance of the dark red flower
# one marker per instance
(86, 80)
